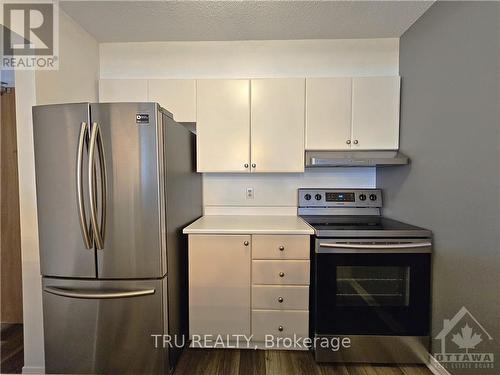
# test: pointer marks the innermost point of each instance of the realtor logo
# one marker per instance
(463, 340)
(30, 35)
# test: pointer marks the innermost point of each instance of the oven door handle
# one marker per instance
(411, 247)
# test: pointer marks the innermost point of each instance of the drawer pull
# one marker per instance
(280, 299)
(282, 274)
(282, 248)
(246, 243)
(280, 328)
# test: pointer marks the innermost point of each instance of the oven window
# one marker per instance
(373, 286)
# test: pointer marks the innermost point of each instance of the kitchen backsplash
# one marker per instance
(275, 193)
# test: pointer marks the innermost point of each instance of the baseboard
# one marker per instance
(33, 370)
(436, 367)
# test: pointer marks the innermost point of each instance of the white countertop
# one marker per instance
(249, 224)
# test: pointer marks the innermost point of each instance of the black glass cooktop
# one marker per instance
(361, 225)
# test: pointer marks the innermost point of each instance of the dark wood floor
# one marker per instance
(224, 361)
(11, 349)
(276, 362)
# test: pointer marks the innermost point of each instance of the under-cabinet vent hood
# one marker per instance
(315, 159)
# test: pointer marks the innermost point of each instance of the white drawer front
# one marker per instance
(279, 323)
(280, 297)
(280, 247)
(280, 272)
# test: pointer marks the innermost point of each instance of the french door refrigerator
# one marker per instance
(116, 183)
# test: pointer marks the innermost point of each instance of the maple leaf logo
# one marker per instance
(466, 340)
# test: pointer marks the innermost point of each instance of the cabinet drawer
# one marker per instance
(280, 247)
(279, 323)
(280, 297)
(280, 272)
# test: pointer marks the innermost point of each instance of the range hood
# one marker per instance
(315, 159)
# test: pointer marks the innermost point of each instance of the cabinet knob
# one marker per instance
(282, 274)
(254, 165)
(282, 248)
(246, 243)
(348, 141)
(280, 328)
(355, 141)
(280, 299)
(245, 165)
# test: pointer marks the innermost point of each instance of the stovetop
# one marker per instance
(351, 213)
(362, 226)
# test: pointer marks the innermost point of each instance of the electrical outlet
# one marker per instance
(249, 192)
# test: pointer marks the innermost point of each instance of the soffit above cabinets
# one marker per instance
(142, 21)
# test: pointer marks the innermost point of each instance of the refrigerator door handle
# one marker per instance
(95, 138)
(96, 294)
(79, 186)
(104, 185)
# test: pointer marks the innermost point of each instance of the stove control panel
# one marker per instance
(340, 198)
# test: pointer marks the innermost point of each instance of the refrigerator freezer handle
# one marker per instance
(79, 186)
(96, 294)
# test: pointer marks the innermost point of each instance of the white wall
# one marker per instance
(76, 80)
(77, 77)
(32, 297)
(251, 59)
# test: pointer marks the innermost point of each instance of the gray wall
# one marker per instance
(450, 128)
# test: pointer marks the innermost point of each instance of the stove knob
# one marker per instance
(373, 197)
(362, 197)
(307, 197)
(318, 197)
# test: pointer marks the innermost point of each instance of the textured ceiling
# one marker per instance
(138, 21)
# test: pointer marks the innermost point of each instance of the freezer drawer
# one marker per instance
(104, 327)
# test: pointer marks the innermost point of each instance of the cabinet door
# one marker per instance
(123, 90)
(375, 113)
(278, 107)
(223, 125)
(219, 284)
(176, 95)
(328, 113)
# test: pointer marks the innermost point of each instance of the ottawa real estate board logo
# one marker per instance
(30, 39)
(464, 343)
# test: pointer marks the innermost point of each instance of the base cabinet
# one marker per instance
(219, 285)
(239, 285)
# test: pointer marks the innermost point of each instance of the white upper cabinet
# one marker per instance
(176, 95)
(360, 113)
(328, 113)
(277, 136)
(123, 90)
(375, 113)
(223, 125)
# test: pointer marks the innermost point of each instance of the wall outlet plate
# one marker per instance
(249, 193)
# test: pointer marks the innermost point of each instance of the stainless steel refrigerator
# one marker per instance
(116, 183)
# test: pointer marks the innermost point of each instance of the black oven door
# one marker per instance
(372, 287)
